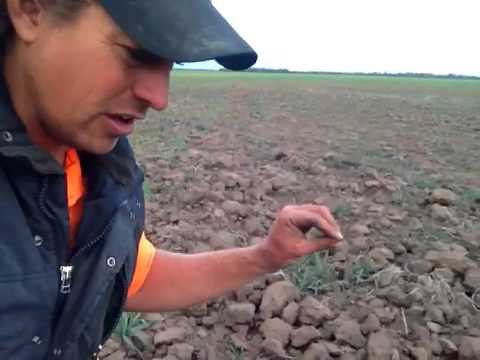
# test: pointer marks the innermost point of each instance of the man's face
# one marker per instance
(87, 83)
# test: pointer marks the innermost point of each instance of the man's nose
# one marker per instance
(151, 85)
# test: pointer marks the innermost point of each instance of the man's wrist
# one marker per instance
(264, 259)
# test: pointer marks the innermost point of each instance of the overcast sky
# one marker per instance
(431, 36)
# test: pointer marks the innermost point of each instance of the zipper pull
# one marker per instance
(65, 279)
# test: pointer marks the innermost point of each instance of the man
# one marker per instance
(77, 74)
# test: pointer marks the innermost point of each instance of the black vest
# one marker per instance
(56, 305)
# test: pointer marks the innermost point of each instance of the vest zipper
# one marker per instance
(65, 279)
(66, 271)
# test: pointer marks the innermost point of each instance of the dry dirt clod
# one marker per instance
(276, 297)
(435, 345)
(434, 327)
(317, 351)
(469, 348)
(235, 208)
(181, 351)
(420, 266)
(381, 256)
(348, 356)
(448, 346)
(361, 354)
(380, 346)
(373, 184)
(435, 314)
(253, 226)
(385, 314)
(387, 276)
(441, 213)
(371, 324)
(290, 312)
(170, 335)
(445, 273)
(283, 180)
(279, 153)
(359, 229)
(304, 335)
(454, 258)
(168, 357)
(242, 313)
(444, 197)
(330, 155)
(313, 312)
(358, 312)
(276, 329)
(472, 279)
(119, 354)
(464, 321)
(348, 332)
(274, 348)
(415, 312)
(420, 353)
(199, 310)
(335, 350)
(420, 333)
(358, 244)
(398, 297)
(277, 276)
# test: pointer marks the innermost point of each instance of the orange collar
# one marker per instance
(74, 178)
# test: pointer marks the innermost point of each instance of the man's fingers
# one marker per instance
(308, 247)
(304, 219)
(323, 211)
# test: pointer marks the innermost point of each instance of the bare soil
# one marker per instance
(397, 161)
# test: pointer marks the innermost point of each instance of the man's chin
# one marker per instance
(100, 148)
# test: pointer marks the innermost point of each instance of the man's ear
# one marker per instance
(26, 16)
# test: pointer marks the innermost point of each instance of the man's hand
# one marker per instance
(176, 281)
(286, 240)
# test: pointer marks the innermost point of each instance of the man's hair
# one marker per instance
(63, 10)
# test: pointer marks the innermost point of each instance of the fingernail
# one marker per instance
(339, 235)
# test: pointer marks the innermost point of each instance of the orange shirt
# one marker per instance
(75, 194)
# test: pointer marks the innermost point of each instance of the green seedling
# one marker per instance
(128, 326)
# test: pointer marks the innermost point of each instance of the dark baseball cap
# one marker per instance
(182, 31)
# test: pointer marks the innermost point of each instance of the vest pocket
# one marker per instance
(26, 308)
(105, 316)
(114, 308)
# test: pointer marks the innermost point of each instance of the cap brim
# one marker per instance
(182, 31)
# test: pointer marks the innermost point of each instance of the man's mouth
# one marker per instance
(125, 118)
(122, 124)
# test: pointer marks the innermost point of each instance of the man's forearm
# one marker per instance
(177, 281)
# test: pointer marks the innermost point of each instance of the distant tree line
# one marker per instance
(408, 74)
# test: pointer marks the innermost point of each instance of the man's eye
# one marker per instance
(141, 56)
